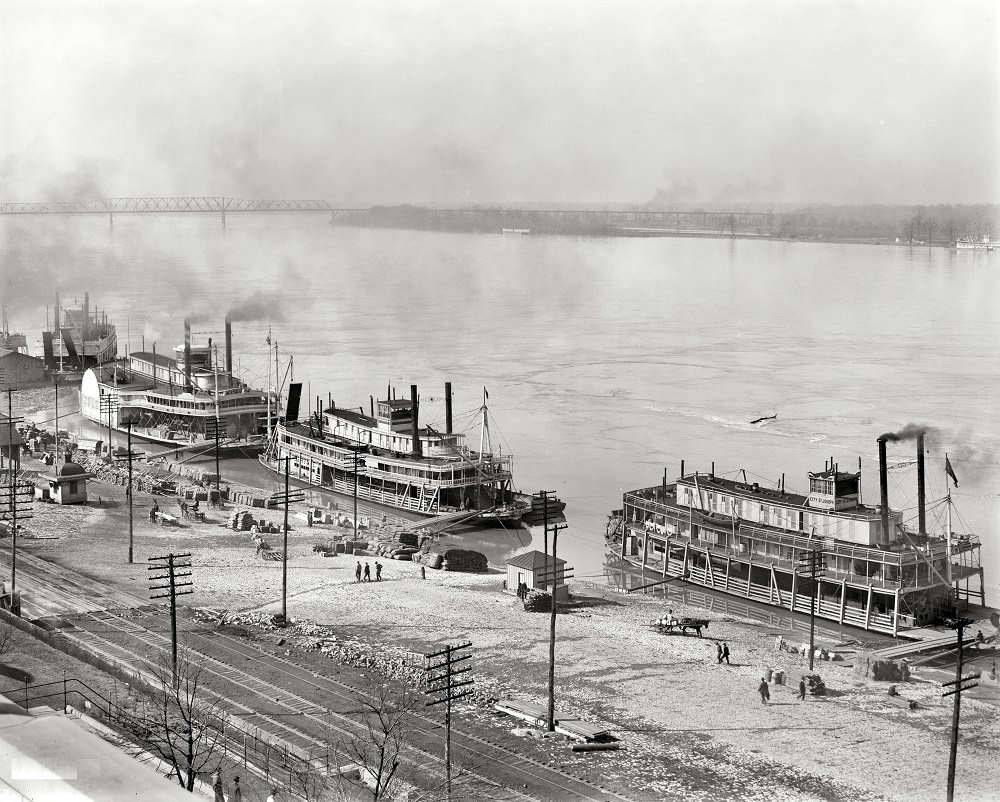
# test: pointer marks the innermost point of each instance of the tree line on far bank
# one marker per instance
(939, 224)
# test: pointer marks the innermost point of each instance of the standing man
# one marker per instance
(217, 792)
(764, 691)
(378, 571)
(368, 573)
(725, 654)
(237, 795)
(802, 689)
(357, 572)
(273, 796)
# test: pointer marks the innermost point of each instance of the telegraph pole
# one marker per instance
(811, 563)
(286, 498)
(443, 688)
(129, 457)
(175, 567)
(109, 403)
(959, 624)
(18, 497)
(555, 529)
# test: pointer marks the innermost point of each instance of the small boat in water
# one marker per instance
(984, 243)
(388, 458)
(760, 543)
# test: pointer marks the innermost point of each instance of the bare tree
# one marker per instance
(178, 719)
(386, 710)
(7, 641)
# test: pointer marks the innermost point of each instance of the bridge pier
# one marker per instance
(223, 217)
(111, 219)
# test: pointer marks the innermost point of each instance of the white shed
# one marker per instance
(530, 568)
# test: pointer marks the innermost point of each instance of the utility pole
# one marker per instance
(555, 575)
(442, 669)
(174, 567)
(286, 498)
(958, 624)
(812, 565)
(109, 404)
(14, 497)
(129, 457)
(212, 427)
(355, 467)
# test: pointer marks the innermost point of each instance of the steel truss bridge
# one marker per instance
(622, 220)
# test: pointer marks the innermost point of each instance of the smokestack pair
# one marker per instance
(229, 347)
(883, 480)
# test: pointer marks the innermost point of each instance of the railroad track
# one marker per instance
(232, 669)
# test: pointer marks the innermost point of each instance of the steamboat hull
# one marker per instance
(765, 545)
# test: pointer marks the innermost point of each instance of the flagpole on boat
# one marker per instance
(951, 589)
(269, 385)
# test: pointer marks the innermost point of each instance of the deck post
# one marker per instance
(685, 570)
(843, 598)
(795, 587)
(729, 568)
(868, 606)
(895, 614)
(750, 572)
(666, 555)
(645, 549)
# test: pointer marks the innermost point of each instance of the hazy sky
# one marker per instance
(375, 102)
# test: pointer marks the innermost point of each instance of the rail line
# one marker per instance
(491, 765)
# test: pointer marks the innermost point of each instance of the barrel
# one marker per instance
(767, 675)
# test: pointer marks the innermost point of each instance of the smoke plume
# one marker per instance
(257, 307)
(909, 432)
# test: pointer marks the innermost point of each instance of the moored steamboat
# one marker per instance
(745, 540)
(387, 458)
(181, 401)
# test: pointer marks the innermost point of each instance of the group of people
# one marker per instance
(722, 653)
(365, 574)
(219, 794)
(765, 690)
(522, 590)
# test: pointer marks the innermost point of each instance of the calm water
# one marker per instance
(607, 360)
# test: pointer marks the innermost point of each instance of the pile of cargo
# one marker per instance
(250, 498)
(538, 602)
(450, 559)
(241, 521)
(116, 473)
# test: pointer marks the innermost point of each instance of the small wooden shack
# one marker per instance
(67, 485)
(530, 568)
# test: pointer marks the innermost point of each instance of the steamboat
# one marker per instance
(761, 544)
(80, 338)
(184, 401)
(387, 458)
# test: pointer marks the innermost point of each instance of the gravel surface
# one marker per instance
(691, 728)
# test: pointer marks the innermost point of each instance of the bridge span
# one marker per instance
(205, 204)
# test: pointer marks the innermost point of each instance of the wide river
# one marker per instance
(607, 361)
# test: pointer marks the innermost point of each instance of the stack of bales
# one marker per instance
(241, 521)
(450, 559)
(538, 601)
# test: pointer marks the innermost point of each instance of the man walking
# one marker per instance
(378, 571)
(718, 653)
(802, 689)
(368, 573)
(357, 572)
(725, 654)
(237, 795)
(764, 691)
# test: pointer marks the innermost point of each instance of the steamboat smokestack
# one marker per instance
(413, 417)
(883, 482)
(921, 495)
(187, 357)
(229, 346)
(154, 365)
(85, 327)
(447, 407)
